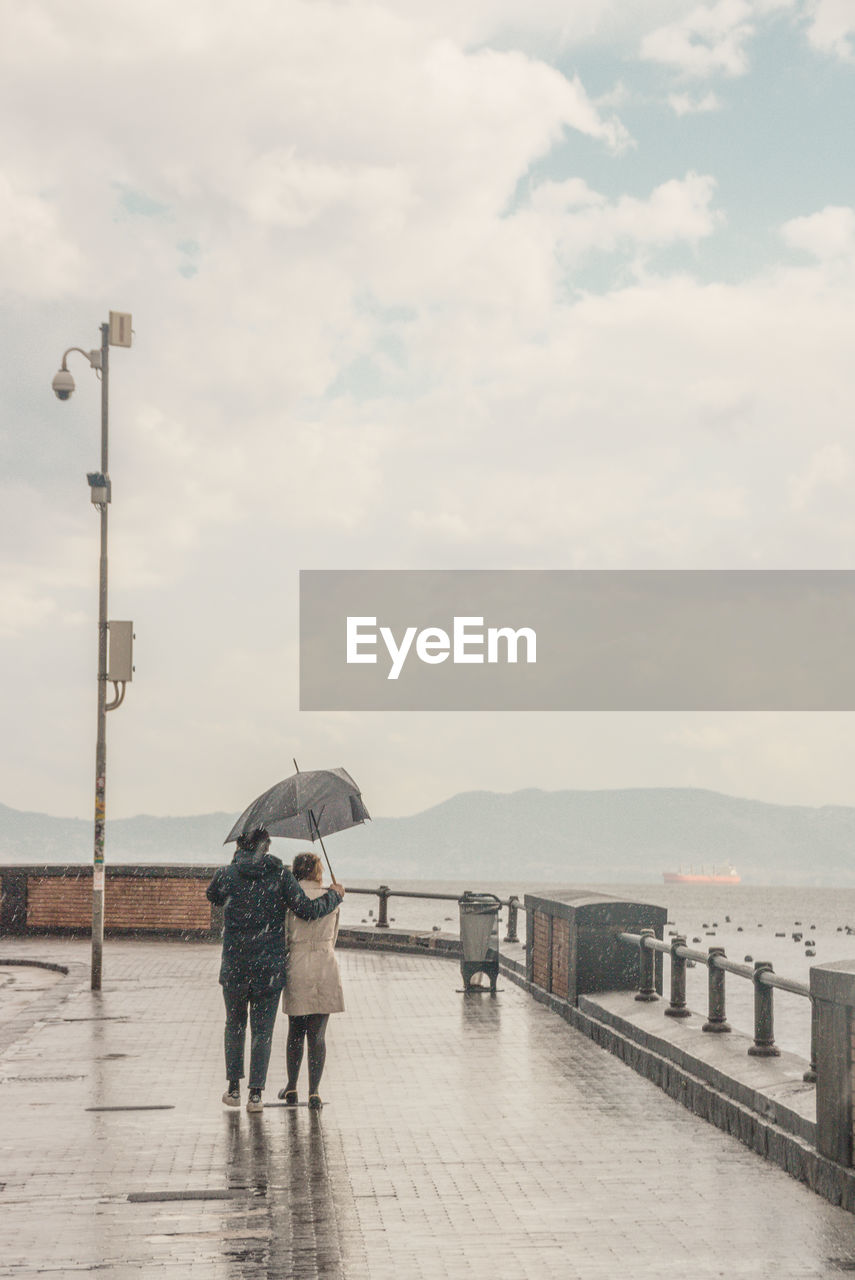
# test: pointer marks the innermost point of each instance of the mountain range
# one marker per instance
(624, 836)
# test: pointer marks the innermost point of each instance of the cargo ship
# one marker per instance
(728, 876)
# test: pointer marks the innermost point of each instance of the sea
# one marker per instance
(751, 923)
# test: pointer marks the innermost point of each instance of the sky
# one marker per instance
(482, 286)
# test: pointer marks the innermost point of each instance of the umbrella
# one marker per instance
(305, 806)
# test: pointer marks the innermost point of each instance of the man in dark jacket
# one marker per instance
(256, 890)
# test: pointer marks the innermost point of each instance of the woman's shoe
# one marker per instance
(231, 1097)
(289, 1096)
(315, 1103)
(254, 1102)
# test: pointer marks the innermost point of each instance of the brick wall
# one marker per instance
(54, 903)
(140, 900)
(148, 905)
(560, 957)
(540, 950)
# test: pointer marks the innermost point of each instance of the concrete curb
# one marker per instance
(772, 1087)
(36, 964)
(408, 941)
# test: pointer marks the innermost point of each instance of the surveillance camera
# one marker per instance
(63, 384)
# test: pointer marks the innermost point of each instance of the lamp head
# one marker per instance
(63, 384)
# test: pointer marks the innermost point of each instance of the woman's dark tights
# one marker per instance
(311, 1027)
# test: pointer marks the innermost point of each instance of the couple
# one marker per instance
(256, 890)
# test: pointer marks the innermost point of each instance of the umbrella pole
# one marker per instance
(317, 832)
(320, 837)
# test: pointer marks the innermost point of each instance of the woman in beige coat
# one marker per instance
(313, 985)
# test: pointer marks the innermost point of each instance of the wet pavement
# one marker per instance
(461, 1137)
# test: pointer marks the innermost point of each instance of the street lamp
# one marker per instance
(119, 668)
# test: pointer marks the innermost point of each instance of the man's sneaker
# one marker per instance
(254, 1102)
(231, 1097)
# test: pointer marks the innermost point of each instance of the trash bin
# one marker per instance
(479, 938)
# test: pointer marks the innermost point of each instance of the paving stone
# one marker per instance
(462, 1137)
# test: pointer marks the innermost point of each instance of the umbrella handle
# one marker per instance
(320, 837)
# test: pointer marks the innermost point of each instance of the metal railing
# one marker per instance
(383, 893)
(762, 975)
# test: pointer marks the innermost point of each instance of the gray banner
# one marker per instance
(577, 640)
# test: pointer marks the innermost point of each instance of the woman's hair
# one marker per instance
(252, 839)
(305, 866)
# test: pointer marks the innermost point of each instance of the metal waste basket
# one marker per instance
(479, 938)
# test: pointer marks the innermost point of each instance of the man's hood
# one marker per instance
(254, 868)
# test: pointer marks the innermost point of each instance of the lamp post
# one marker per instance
(116, 332)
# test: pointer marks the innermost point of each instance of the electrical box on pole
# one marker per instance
(120, 663)
(120, 329)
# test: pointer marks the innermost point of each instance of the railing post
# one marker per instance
(513, 908)
(716, 1017)
(383, 909)
(677, 1007)
(764, 1021)
(809, 1076)
(646, 968)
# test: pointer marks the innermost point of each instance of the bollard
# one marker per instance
(383, 911)
(764, 1023)
(513, 908)
(677, 1007)
(646, 969)
(716, 1017)
(809, 1076)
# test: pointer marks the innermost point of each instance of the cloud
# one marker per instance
(37, 259)
(828, 468)
(826, 235)
(45, 566)
(21, 609)
(683, 104)
(658, 424)
(831, 26)
(582, 220)
(708, 40)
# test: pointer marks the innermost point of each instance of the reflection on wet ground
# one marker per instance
(461, 1137)
(286, 1224)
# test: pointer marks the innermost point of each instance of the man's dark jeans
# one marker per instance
(240, 1001)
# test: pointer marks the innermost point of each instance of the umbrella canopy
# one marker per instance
(305, 806)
